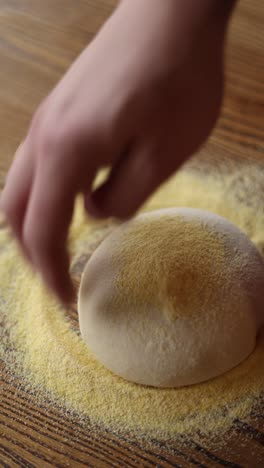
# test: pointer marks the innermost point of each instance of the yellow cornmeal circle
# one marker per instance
(221, 195)
(53, 357)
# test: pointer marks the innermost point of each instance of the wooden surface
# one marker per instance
(38, 40)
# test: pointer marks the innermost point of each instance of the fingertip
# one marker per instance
(92, 209)
(52, 264)
(62, 280)
(106, 204)
(67, 293)
(61, 287)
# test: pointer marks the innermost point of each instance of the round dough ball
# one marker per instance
(172, 297)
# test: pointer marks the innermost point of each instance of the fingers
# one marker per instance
(130, 183)
(14, 198)
(47, 220)
(38, 203)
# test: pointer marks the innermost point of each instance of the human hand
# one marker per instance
(141, 98)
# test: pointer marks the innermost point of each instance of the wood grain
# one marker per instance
(38, 41)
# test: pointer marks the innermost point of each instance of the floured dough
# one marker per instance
(172, 297)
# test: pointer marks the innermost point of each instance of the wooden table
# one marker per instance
(38, 41)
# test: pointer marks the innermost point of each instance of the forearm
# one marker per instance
(199, 9)
(191, 14)
(185, 27)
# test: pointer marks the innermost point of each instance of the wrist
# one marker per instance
(183, 14)
(175, 29)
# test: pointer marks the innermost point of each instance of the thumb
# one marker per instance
(131, 181)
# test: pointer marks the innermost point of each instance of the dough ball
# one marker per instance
(172, 298)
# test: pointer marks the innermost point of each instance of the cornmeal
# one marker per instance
(39, 343)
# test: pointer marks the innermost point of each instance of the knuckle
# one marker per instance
(38, 241)
(34, 242)
(51, 137)
(37, 120)
(50, 132)
(29, 238)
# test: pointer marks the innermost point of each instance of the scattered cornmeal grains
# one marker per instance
(39, 341)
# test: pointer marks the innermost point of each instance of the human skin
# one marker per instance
(141, 98)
